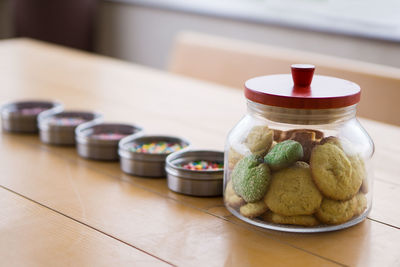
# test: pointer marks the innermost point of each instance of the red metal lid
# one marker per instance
(302, 91)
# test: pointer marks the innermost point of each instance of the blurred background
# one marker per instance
(143, 31)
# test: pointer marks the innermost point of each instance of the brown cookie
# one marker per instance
(318, 135)
(307, 139)
(278, 135)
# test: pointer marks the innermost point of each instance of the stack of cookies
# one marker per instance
(296, 177)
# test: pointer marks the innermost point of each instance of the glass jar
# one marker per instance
(299, 160)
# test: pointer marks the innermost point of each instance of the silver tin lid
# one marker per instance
(51, 120)
(22, 116)
(28, 108)
(95, 133)
(126, 143)
(204, 183)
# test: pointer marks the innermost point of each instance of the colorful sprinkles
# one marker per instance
(31, 111)
(108, 136)
(202, 165)
(160, 147)
(64, 121)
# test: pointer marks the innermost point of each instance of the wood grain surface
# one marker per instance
(143, 213)
(33, 235)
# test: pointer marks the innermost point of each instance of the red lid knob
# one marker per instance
(302, 74)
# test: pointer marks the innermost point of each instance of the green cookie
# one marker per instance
(251, 178)
(284, 154)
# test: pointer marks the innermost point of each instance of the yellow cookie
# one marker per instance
(292, 191)
(259, 140)
(336, 212)
(304, 220)
(332, 172)
(231, 198)
(233, 158)
(361, 204)
(359, 172)
(252, 210)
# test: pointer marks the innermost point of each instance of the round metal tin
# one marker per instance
(58, 128)
(99, 141)
(21, 116)
(145, 164)
(203, 183)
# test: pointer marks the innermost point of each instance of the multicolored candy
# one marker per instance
(203, 165)
(160, 147)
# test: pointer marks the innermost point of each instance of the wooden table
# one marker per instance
(59, 209)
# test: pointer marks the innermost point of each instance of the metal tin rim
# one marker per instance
(6, 108)
(84, 138)
(185, 155)
(123, 152)
(43, 125)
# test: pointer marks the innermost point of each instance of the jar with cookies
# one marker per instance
(299, 160)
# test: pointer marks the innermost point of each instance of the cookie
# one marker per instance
(360, 204)
(252, 210)
(342, 143)
(251, 178)
(331, 140)
(233, 158)
(336, 212)
(231, 198)
(284, 154)
(358, 172)
(278, 135)
(292, 191)
(318, 135)
(307, 139)
(303, 220)
(364, 186)
(332, 172)
(259, 140)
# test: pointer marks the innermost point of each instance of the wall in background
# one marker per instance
(6, 29)
(145, 35)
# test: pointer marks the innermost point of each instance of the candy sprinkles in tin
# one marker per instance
(59, 128)
(22, 116)
(195, 172)
(202, 165)
(99, 141)
(145, 155)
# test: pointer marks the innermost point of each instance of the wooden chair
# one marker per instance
(231, 62)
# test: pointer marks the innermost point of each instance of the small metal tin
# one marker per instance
(145, 164)
(99, 141)
(203, 183)
(58, 128)
(21, 117)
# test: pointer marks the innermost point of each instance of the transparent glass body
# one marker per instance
(298, 170)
